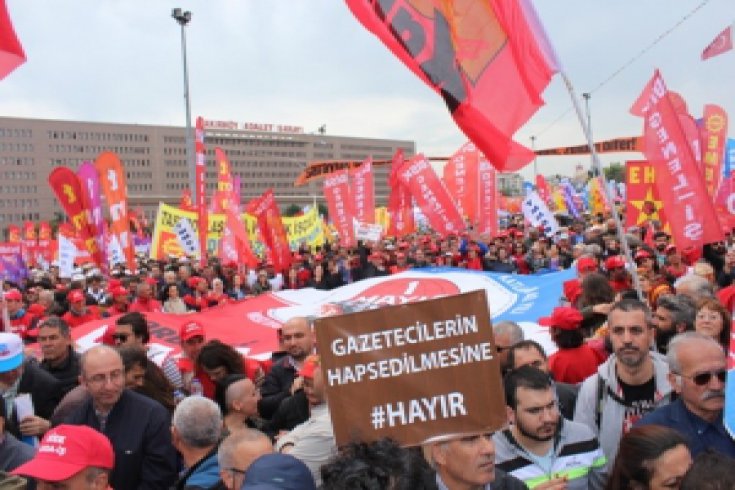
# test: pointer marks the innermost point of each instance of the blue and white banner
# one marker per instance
(538, 214)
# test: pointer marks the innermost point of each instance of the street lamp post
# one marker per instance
(183, 18)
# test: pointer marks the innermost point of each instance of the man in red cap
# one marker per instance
(79, 313)
(120, 303)
(20, 319)
(71, 456)
(618, 277)
(192, 338)
(575, 360)
(573, 287)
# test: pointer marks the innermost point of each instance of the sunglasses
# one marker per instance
(702, 379)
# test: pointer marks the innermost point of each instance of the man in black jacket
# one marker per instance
(19, 377)
(281, 382)
(59, 358)
(138, 427)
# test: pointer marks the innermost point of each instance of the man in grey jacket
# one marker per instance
(631, 383)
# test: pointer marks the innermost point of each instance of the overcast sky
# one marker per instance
(309, 62)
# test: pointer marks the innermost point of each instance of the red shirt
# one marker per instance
(145, 306)
(21, 324)
(74, 320)
(117, 309)
(574, 365)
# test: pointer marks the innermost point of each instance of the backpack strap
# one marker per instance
(600, 400)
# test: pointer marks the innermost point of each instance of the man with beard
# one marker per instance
(698, 370)
(674, 314)
(661, 241)
(631, 383)
(282, 381)
(540, 447)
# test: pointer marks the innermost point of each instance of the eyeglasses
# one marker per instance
(122, 337)
(702, 379)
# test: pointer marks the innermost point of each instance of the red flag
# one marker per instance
(400, 206)
(11, 52)
(202, 217)
(224, 181)
(714, 136)
(542, 187)
(678, 180)
(487, 222)
(44, 240)
(363, 191)
(488, 59)
(337, 193)
(229, 196)
(266, 211)
(14, 234)
(725, 203)
(65, 184)
(720, 44)
(460, 177)
(431, 196)
(115, 189)
(236, 226)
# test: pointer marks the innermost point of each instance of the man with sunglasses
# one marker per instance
(698, 370)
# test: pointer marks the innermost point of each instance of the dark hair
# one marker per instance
(157, 387)
(717, 307)
(133, 355)
(682, 309)
(628, 305)
(523, 345)
(711, 471)
(138, 323)
(215, 354)
(596, 289)
(54, 321)
(378, 465)
(524, 377)
(166, 287)
(638, 450)
(567, 339)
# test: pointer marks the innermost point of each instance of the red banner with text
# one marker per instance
(115, 189)
(363, 192)
(339, 202)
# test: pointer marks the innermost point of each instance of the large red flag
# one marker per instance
(265, 209)
(719, 45)
(223, 195)
(488, 59)
(714, 136)
(487, 206)
(363, 192)
(678, 180)
(115, 188)
(11, 52)
(460, 177)
(400, 206)
(339, 202)
(431, 196)
(68, 190)
(542, 188)
(201, 204)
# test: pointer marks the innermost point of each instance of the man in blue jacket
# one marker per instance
(196, 431)
(138, 427)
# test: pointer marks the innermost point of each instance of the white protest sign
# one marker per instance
(538, 214)
(187, 237)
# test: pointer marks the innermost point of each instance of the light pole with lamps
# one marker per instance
(183, 18)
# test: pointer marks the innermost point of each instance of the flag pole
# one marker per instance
(598, 168)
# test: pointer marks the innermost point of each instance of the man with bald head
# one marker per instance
(241, 400)
(282, 382)
(237, 452)
(137, 426)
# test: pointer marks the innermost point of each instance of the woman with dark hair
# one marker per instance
(146, 377)
(239, 288)
(714, 320)
(172, 302)
(595, 301)
(219, 360)
(650, 457)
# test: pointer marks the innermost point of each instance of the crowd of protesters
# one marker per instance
(632, 397)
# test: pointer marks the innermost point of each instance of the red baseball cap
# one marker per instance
(66, 450)
(189, 330)
(13, 295)
(118, 291)
(113, 283)
(614, 262)
(75, 296)
(563, 317)
(586, 264)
